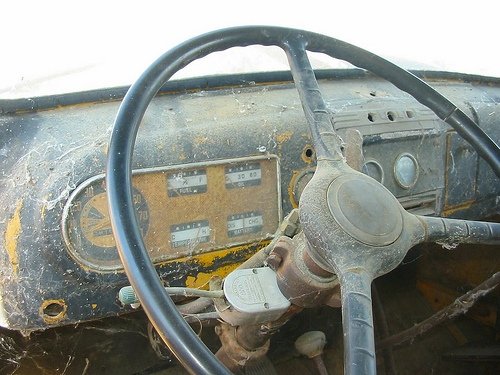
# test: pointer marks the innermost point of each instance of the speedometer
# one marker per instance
(94, 217)
(90, 227)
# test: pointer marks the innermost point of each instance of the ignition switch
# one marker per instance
(252, 296)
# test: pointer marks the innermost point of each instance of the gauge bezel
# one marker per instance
(417, 171)
(379, 168)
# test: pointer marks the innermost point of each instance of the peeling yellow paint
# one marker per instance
(11, 236)
(208, 259)
(44, 206)
(290, 189)
(200, 280)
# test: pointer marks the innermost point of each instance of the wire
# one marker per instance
(127, 294)
(193, 318)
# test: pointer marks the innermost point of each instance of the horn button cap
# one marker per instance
(365, 209)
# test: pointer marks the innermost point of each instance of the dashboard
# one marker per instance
(218, 163)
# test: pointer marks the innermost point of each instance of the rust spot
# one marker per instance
(308, 154)
(201, 140)
(53, 311)
(284, 137)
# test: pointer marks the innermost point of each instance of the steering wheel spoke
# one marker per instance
(454, 231)
(326, 141)
(357, 322)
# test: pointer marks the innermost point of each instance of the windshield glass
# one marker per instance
(59, 46)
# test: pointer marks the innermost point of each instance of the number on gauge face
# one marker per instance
(243, 175)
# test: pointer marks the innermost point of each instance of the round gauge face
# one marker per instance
(406, 171)
(90, 226)
(95, 223)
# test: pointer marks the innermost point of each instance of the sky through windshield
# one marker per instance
(62, 46)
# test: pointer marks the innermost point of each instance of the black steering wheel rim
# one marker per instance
(160, 309)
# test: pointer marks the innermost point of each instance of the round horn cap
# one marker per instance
(365, 209)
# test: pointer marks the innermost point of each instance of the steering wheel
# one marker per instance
(354, 226)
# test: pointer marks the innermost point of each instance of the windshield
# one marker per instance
(58, 46)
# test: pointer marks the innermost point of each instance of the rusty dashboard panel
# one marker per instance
(181, 211)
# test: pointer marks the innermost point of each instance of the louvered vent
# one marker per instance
(423, 204)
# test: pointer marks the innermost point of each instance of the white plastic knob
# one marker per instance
(311, 343)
